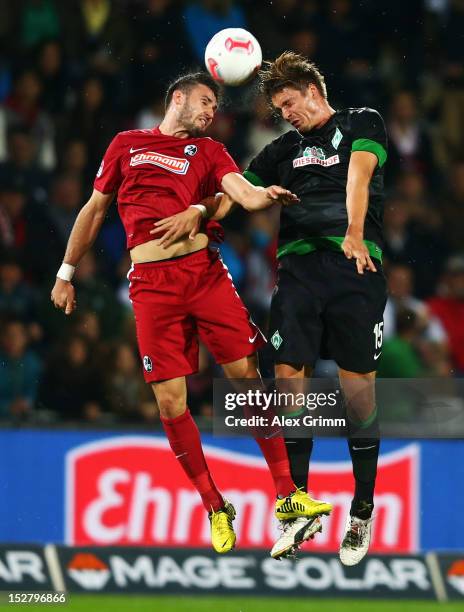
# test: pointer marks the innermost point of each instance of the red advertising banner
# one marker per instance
(131, 491)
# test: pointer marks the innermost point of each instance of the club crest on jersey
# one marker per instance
(336, 138)
(315, 155)
(190, 150)
(147, 363)
(177, 165)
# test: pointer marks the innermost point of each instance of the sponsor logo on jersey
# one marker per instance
(315, 155)
(177, 165)
(132, 491)
(190, 149)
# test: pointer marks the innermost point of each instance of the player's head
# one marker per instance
(294, 86)
(193, 99)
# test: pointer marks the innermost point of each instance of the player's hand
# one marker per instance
(354, 247)
(177, 226)
(281, 195)
(64, 296)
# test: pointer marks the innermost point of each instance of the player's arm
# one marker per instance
(253, 197)
(360, 170)
(83, 234)
(239, 192)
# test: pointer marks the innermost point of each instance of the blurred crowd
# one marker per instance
(74, 73)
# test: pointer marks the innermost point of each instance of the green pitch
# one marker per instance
(127, 603)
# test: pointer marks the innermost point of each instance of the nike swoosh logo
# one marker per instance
(181, 455)
(377, 356)
(363, 447)
(131, 150)
(251, 340)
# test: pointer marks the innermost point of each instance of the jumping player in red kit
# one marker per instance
(182, 293)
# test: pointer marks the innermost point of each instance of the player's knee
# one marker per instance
(170, 405)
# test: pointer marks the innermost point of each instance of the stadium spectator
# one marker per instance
(452, 121)
(449, 309)
(97, 37)
(96, 296)
(20, 370)
(125, 392)
(453, 206)
(50, 225)
(400, 355)
(70, 385)
(91, 120)
(18, 163)
(162, 51)
(400, 279)
(410, 238)
(22, 108)
(17, 298)
(409, 143)
(55, 79)
(12, 217)
(39, 20)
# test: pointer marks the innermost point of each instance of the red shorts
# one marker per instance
(179, 301)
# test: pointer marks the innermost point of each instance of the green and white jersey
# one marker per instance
(314, 165)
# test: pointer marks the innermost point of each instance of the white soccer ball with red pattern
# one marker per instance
(232, 56)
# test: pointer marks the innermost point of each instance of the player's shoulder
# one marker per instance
(131, 137)
(129, 134)
(360, 114)
(281, 143)
(207, 142)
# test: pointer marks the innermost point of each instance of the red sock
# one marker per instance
(184, 439)
(275, 453)
(272, 445)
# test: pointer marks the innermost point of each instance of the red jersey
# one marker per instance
(157, 176)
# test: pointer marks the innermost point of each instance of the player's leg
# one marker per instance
(226, 328)
(293, 378)
(270, 441)
(299, 448)
(295, 333)
(184, 439)
(353, 321)
(168, 345)
(363, 444)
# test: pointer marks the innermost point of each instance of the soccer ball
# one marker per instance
(232, 56)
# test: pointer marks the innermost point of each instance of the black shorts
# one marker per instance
(322, 307)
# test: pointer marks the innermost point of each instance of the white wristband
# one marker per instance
(201, 208)
(66, 272)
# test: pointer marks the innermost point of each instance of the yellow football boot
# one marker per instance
(222, 532)
(299, 504)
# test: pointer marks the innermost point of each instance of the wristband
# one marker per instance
(201, 208)
(66, 272)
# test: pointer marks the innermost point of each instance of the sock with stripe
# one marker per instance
(364, 444)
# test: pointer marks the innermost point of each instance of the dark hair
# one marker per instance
(186, 82)
(290, 70)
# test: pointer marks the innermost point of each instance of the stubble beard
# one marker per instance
(186, 121)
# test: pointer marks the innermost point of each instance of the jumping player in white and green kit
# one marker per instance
(330, 293)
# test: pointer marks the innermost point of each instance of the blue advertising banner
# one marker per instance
(93, 488)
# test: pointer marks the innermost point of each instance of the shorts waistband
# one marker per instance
(202, 255)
